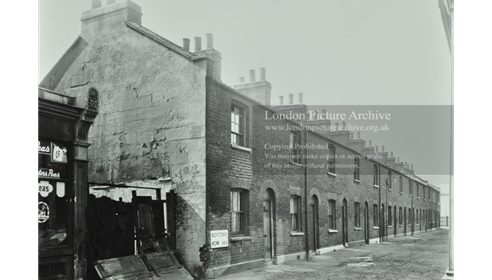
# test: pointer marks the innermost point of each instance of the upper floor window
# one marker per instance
(295, 210)
(388, 180)
(332, 214)
(401, 184)
(423, 191)
(357, 214)
(376, 175)
(410, 187)
(295, 154)
(239, 206)
(357, 168)
(331, 159)
(237, 125)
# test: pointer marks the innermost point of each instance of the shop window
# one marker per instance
(357, 168)
(239, 211)
(332, 214)
(295, 154)
(375, 215)
(331, 159)
(357, 215)
(237, 125)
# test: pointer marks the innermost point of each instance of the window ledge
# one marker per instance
(236, 146)
(389, 189)
(410, 195)
(400, 226)
(375, 227)
(376, 186)
(357, 228)
(357, 181)
(295, 163)
(241, 238)
(401, 192)
(332, 231)
(296, 233)
(331, 174)
(390, 226)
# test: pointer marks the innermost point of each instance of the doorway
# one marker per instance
(268, 221)
(315, 211)
(366, 223)
(405, 221)
(394, 223)
(345, 223)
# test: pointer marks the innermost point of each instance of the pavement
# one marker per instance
(422, 256)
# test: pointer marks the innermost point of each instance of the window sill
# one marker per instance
(241, 238)
(357, 228)
(390, 226)
(389, 189)
(410, 195)
(400, 226)
(295, 163)
(331, 174)
(357, 181)
(375, 227)
(401, 192)
(332, 231)
(296, 233)
(236, 146)
(376, 186)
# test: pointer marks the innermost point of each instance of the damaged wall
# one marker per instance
(150, 126)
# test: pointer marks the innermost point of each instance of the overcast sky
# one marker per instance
(337, 52)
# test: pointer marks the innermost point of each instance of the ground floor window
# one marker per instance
(375, 215)
(239, 203)
(295, 217)
(332, 214)
(357, 215)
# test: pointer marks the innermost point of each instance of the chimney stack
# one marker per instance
(252, 75)
(291, 98)
(376, 149)
(262, 74)
(281, 97)
(391, 154)
(96, 4)
(351, 136)
(300, 97)
(198, 44)
(398, 159)
(210, 40)
(370, 143)
(186, 44)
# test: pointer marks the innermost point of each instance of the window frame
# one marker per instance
(389, 182)
(331, 159)
(243, 211)
(401, 184)
(357, 215)
(400, 216)
(295, 200)
(375, 215)
(376, 175)
(295, 153)
(410, 187)
(332, 214)
(390, 217)
(357, 168)
(241, 133)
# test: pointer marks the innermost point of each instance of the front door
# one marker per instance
(394, 224)
(405, 221)
(366, 223)
(267, 228)
(315, 223)
(344, 223)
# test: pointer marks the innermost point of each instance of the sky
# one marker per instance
(336, 52)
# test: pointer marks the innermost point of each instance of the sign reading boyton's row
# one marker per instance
(219, 238)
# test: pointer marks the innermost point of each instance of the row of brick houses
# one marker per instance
(166, 121)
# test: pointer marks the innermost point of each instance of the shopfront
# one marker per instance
(62, 184)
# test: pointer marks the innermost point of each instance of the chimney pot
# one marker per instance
(336, 127)
(382, 148)
(370, 143)
(210, 40)
(376, 149)
(391, 154)
(324, 111)
(291, 98)
(398, 159)
(300, 97)
(281, 100)
(241, 80)
(343, 126)
(198, 44)
(358, 135)
(96, 4)
(252, 75)
(411, 166)
(262, 74)
(186, 44)
(351, 135)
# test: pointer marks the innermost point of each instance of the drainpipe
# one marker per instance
(305, 197)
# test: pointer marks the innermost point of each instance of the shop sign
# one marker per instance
(49, 173)
(43, 212)
(44, 147)
(45, 188)
(58, 153)
(219, 238)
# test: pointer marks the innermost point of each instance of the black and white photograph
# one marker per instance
(273, 139)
